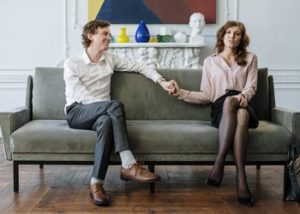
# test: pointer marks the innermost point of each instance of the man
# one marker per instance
(88, 80)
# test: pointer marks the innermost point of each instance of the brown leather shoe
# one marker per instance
(98, 195)
(138, 174)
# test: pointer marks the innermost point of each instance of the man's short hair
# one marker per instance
(91, 28)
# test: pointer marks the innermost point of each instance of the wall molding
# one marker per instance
(232, 10)
(15, 69)
(14, 78)
(227, 10)
(285, 79)
(284, 69)
(236, 9)
(75, 15)
(290, 79)
(66, 45)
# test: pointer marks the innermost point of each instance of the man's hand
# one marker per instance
(177, 88)
(167, 86)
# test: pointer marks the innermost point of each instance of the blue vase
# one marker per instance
(142, 33)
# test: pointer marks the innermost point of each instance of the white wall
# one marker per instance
(274, 30)
(31, 35)
(44, 32)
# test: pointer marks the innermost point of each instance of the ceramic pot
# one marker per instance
(142, 33)
(123, 38)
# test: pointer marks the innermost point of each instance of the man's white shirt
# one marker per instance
(88, 82)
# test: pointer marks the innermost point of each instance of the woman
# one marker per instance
(229, 81)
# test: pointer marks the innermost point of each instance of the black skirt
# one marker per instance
(217, 109)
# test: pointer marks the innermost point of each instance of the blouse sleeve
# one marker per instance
(199, 97)
(251, 83)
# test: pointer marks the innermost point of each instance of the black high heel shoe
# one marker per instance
(214, 183)
(248, 201)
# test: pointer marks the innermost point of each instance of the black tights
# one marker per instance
(233, 133)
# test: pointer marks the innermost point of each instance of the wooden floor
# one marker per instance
(65, 189)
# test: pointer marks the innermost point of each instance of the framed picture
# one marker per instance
(151, 11)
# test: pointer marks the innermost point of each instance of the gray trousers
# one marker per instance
(107, 118)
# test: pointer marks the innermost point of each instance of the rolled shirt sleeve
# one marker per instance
(122, 64)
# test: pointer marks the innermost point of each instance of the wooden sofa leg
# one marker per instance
(258, 166)
(41, 166)
(152, 185)
(16, 176)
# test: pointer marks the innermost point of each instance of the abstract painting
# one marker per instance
(151, 11)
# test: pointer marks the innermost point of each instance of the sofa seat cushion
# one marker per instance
(145, 136)
(52, 136)
(199, 137)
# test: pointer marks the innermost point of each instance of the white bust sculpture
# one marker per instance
(197, 23)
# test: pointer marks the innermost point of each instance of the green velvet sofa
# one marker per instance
(161, 128)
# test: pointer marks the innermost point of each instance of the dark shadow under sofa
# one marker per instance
(161, 128)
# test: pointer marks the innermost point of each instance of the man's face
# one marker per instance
(101, 39)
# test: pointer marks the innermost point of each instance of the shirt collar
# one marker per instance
(87, 59)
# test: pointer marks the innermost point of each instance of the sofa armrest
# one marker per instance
(288, 118)
(11, 121)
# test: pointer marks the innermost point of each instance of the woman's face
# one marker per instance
(232, 37)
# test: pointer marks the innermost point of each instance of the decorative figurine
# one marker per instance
(197, 23)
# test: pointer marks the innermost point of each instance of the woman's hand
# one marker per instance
(242, 100)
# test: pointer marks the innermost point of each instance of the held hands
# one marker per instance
(166, 85)
(176, 89)
(170, 86)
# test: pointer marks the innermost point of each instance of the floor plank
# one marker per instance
(65, 189)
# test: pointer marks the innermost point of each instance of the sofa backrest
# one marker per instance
(48, 94)
(142, 98)
(264, 99)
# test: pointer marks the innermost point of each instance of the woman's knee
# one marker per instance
(242, 116)
(230, 103)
